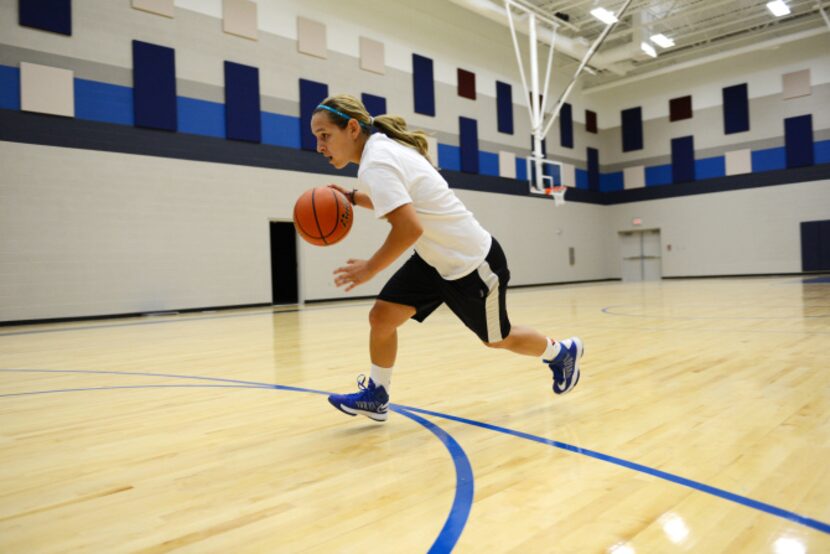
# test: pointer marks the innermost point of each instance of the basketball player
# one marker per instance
(455, 262)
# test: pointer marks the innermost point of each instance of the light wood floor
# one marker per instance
(700, 425)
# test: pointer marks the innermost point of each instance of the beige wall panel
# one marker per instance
(372, 56)
(796, 84)
(739, 161)
(158, 7)
(507, 164)
(47, 89)
(568, 174)
(432, 142)
(634, 177)
(240, 18)
(311, 37)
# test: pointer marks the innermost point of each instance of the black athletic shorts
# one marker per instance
(478, 299)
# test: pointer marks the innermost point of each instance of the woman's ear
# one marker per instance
(354, 128)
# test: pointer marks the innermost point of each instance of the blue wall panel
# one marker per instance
(488, 163)
(468, 144)
(449, 157)
(504, 107)
(821, 152)
(710, 168)
(581, 179)
(311, 94)
(280, 130)
(798, 140)
(103, 102)
(201, 117)
(735, 109)
(375, 105)
(9, 88)
(154, 86)
(658, 175)
(609, 182)
(521, 169)
(769, 159)
(593, 168)
(566, 127)
(632, 129)
(47, 15)
(554, 173)
(242, 118)
(682, 159)
(423, 85)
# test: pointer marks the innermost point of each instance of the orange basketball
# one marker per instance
(323, 216)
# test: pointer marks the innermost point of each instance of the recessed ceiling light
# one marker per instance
(778, 8)
(604, 15)
(662, 40)
(648, 49)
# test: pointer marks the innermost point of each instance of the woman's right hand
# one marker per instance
(340, 189)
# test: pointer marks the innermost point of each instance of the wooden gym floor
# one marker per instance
(700, 424)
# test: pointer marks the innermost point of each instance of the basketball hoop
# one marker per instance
(558, 194)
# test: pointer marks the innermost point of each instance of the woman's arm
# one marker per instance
(360, 198)
(406, 229)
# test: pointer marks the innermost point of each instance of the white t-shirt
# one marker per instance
(393, 174)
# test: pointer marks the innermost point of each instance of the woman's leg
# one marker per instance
(522, 340)
(384, 319)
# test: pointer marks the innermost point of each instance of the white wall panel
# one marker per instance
(47, 89)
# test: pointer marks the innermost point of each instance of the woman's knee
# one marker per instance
(498, 344)
(386, 316)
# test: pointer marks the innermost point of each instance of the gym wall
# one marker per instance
(103, 214)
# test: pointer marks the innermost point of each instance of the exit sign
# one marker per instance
(636, 221)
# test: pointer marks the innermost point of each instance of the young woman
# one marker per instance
(455, 262)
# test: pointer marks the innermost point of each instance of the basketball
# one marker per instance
(323, 216)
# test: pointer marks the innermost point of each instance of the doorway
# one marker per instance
(641, 260)
(284, 280)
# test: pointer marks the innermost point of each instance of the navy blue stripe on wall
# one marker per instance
(798, 140)
(735, 109)
(154, 86)
(242, 109)
(504, 107)
(375, 105)
(311, 94)
(632, 129)
(34, 128)
(423, 85)
(566, 128)
(47, 15)
(468, 138)
(682, 159)
(593, 169)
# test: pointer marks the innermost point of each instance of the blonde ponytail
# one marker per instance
(343, 107)
(394, 127)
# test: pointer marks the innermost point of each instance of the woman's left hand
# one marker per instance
(355, 272)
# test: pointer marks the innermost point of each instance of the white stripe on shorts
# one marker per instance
(491, 305)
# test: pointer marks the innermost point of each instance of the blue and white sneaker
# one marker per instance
(565, 366)
(371, 401)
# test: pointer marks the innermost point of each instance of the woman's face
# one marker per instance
(340, 146)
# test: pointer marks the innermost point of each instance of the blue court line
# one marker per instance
(695, 485)
(464, 479)
(464, 486)
(608, 311)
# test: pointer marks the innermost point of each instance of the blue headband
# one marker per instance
(344, 116)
